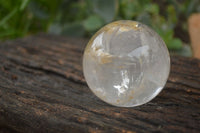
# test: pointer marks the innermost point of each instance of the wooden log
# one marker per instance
(42, 89)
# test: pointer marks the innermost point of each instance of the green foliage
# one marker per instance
(92, 23)
(105, 8)
(21, 17)
(85, 17)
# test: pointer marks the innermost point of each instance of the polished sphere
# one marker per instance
(126, 63)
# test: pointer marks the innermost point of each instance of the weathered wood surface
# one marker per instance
(42, 89)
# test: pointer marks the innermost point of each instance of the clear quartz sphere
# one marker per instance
(126, 63)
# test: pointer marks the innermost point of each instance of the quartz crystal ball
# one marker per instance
(126, 63)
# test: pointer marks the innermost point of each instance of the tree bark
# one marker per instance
(42, 89)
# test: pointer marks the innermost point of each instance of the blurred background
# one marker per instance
(82, 18)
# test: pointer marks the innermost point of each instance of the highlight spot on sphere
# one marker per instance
(126, 63)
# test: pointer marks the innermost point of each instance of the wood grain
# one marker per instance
(42, 89)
